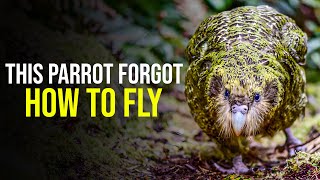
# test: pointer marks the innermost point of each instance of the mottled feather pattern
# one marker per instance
(246, 51)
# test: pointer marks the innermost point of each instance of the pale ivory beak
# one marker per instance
(239, 116)
(238, 121)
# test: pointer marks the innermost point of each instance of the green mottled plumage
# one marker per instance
(246, 50)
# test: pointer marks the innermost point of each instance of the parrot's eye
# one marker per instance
(226, 93)
(257, 97)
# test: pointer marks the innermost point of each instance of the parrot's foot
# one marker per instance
(292, 143)
(238, 167)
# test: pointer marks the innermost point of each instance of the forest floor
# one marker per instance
(174, 147)
(267, 157)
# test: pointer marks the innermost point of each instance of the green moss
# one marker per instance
(303, 163)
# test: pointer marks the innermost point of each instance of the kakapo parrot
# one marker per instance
(246, 77)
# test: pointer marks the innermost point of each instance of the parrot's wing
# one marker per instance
(205, 33)
(294, 39)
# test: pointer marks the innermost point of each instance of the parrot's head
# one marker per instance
(243, 98)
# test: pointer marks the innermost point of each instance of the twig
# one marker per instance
(267, 163)
(314, 149)
(190, 167)
(307, 142)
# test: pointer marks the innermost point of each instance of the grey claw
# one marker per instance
(238, 167)
(224, 170)
(293, 150)
(292, 143)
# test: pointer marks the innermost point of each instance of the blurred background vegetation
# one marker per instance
(158, 32)
(138, 31)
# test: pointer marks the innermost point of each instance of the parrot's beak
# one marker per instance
(239, 116)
